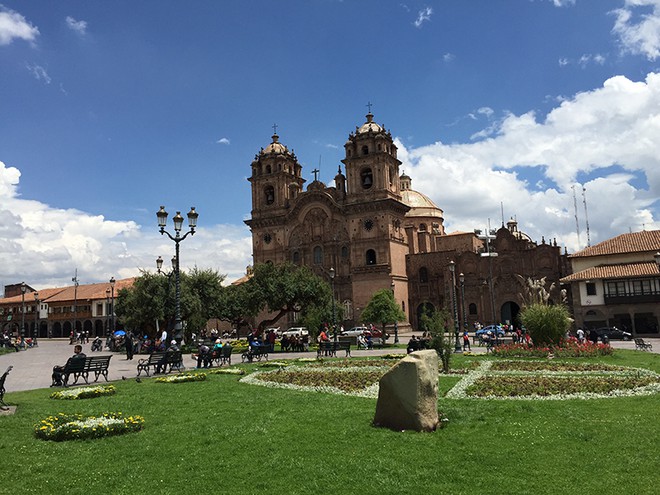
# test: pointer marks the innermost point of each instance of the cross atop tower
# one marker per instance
(274, 128)
(369, 104)
(316, 174)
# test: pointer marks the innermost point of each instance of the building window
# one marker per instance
(344, 252)
(269, 192)
(366, 178)
(318, 255)
(423, 275)
(591, 289)
(371, 257)
(616, 288)
(472, 309)
(365, 150)
(296, 257)
(422, 227)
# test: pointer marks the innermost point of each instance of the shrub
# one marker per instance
(546, 324)
(76, 426)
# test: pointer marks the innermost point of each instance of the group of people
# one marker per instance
(17, 343)
(294, 343)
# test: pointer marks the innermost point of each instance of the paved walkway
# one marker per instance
(33, 367)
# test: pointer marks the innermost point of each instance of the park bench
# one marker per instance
(643, 346)
(164, 361)
(83, 367)
(4, 406)
(256, 352)
(224, 355)
(331, 348)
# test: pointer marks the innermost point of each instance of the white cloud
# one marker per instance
(79, 27)
(448, 57)
(563, 62)
(44, 245)
(616, 125)
(423, 16)
(223, 140)
(38, 72)
(14, 26)
(639, 35)
(563, 3)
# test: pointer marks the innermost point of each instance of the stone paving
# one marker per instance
(33, 367)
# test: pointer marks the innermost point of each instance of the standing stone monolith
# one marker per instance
(408, 394)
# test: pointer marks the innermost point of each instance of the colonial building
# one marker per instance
(56, 312)
(617, 283)
(376, 232)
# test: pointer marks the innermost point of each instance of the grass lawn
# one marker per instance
(222, 436)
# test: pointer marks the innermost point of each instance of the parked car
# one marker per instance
(297, 331)
(355, 331)
(613, 333)
(492, 329)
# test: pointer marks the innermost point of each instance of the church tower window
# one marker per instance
(371, 257)
(365, 150)
(423, 275)
(318, 255)
(296, 257)
(268, 169)
(367, 178)
(269, 193)
(344, 252)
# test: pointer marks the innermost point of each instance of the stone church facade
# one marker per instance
(373, 229)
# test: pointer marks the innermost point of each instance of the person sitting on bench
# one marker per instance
(57, 370)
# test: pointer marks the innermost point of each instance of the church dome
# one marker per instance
(275, 147)
(420, 204)
(370, 126)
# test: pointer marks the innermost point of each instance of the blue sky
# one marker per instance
(109, 109)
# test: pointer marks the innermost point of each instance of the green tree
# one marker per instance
(152, 298)
(383, 308)
(282, 289)
(437, 323)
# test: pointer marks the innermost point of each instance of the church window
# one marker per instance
(318, 255)
(379, 147)
(367, 178)
(267, 238)
(296, 257)
(344, 252)
(368, 224)
(269, 192)
(422, 227)
(473, 309)
(268, 169)
(423, 275)
(371, 257)
(365, 150)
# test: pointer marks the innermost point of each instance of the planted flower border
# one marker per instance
(84, 392)
(226, 371)
(182, 378)
(77, 427)
(322, 379)
(550, 382)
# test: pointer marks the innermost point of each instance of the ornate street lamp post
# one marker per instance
(396, 323)
(107, 312)
(177, 238)
(36, 318)
(461, 281)
(112, 305)
(23, 289)
(452, 269)
(332, 280)
(75, 304)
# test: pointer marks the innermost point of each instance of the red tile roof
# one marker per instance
(624, 270)
(87, 291)
(635, 242)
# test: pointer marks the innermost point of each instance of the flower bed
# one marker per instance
(76, 426)
(183, 377)
(362, 382)
(84, 392)
(554, 380)
(570, 348)
(227, 371)
(274, 364)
